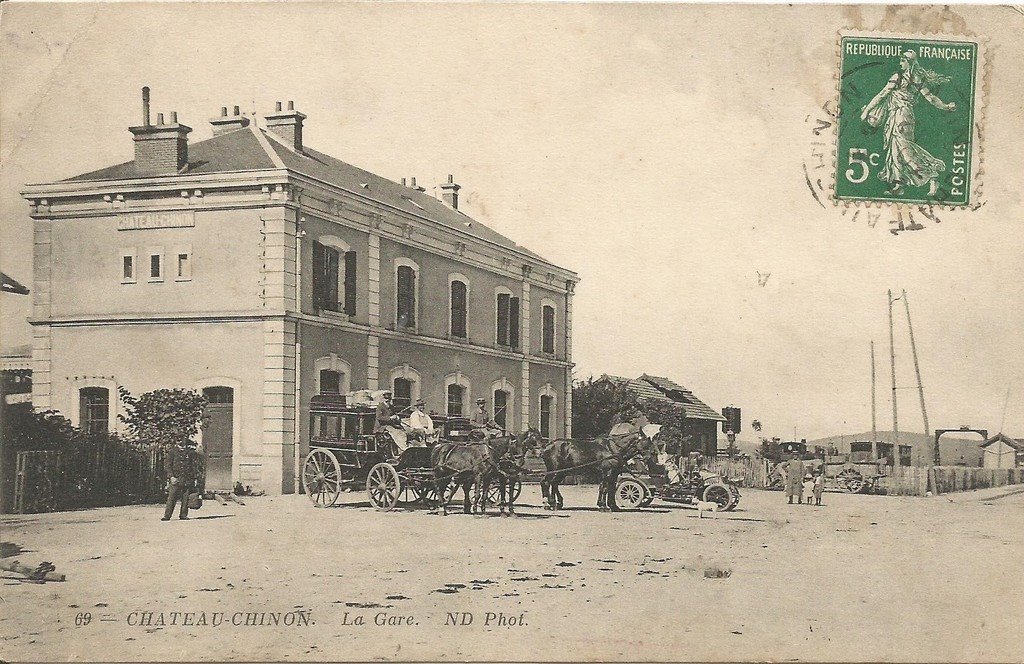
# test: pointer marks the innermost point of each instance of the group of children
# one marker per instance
(813, 486)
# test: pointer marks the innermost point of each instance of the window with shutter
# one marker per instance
(513, 322)
(319, 262)
(548, 342)
(458, 322)
(94, 409)
(350, 283)
(455, 394)
(402, 394)
(503, 318)
(545, 416)
(501, 408)
(406, 297)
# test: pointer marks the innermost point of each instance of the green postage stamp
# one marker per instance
(907, 127)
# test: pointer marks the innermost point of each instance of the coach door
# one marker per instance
(217, 436)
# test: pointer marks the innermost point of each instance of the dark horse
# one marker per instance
(608, 454)
(509, 455)
(464, 463)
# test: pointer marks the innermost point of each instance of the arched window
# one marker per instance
(547, 411)
(503, 402)
(94, 404)
(334, 275)
(405, 386)
(457, 393)
(547, 309)
(458, 306)
(506, 318)
(406, 294)
(332, 374)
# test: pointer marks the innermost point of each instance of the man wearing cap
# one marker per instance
(482, 422)
(420, 424)
(180, 465)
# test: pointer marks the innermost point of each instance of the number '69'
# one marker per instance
(859, 160)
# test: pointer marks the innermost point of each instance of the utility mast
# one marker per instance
(874, 421)
(892, 362)
(917, 367)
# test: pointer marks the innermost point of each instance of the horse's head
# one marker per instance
(530, 441)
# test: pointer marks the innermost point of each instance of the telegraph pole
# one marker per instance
(874, 422)
(892, 361)
(917, 367)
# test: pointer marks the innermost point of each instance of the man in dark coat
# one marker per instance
(385, 414)
(180, 464)
(795, 470)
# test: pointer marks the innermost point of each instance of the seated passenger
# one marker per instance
(421, 427)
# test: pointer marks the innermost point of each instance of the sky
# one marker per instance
(656, 150)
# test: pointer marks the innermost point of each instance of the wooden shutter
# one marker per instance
(458, 309)
(319, 261)
(350, 283)
(331, 274)
(548, 345)
(406, 296)
(503, 318)
(513, 322)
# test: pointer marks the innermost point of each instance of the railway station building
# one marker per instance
(261, 272)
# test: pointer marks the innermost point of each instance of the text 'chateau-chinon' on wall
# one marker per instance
(261, 272)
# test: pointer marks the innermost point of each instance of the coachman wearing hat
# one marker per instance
(482, 422)
(386, 415)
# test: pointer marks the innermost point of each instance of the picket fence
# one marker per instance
(103, 474)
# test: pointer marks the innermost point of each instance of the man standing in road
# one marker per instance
(180, 466)
(794, 479)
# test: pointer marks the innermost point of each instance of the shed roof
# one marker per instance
(660, 388)
(1015, 443)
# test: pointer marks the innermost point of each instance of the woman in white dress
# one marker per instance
(906, 162)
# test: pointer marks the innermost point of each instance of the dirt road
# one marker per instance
(861, 578)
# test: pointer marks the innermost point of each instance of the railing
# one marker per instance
(91, 475)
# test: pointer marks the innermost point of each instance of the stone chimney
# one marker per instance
(413, 185)
(160, 149)
(226, 123)
(450, 193)
(287, 124)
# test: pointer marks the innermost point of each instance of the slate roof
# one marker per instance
(241, 150)
(664, 389)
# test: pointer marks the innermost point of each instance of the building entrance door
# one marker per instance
(217, 437)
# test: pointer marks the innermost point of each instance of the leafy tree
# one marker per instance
(162, 417)
(26, 429)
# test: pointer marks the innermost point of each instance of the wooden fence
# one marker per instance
(91, 475)
(745, 472)
(919, 480)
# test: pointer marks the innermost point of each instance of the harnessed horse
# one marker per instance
(509, 455)
(608, 453)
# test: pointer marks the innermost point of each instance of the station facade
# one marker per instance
(261, 272)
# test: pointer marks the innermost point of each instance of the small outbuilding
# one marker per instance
(1001, 451)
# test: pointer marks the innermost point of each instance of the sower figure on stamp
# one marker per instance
(906, 162)
(181, 465)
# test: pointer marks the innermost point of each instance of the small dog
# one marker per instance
(705, 506)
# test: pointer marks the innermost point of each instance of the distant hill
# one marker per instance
(953, 447)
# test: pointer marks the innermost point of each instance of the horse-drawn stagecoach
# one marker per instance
(345, 454)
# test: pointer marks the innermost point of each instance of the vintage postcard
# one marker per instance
(349, 331)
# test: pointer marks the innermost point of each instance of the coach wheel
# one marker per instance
(630, 494)
(383, 486)
(409, 494)
(429, 494)
(718, 494)
(494, 492)
(321, 477)
(851, 481)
